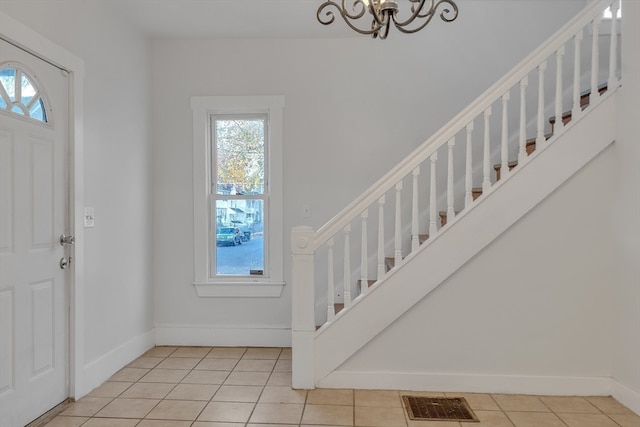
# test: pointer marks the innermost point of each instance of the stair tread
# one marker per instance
(512, 163)
(532, 141)
(369, 282)
(583, 103)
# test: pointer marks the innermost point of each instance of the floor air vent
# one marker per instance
(438, 408)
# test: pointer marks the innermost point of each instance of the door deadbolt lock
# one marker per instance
(65, 263)
(66, 240)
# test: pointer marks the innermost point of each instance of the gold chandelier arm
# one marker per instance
(384, 31)
(326, 16)
(428, 14)
(415, 12)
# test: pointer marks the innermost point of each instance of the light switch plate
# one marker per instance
(89, 220)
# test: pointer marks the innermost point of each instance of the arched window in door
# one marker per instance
(20, 95)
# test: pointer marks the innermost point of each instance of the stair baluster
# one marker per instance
(398, 229)
(613, 49)
(381, 268)
(331, 300)
(522, 139)
(558, 104)
(577, 109)
(347, 266)
(504, 140)
(540, 139)
(433, 211)
(486, 163)
(595, 58)
(415, 231)
(451, 213)
(364, 270)
(468, 194)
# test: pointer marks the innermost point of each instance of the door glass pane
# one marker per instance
(8, 80)
(239, 237)
(30, 102)
(27, 90)
(37, 111)
(239, 148)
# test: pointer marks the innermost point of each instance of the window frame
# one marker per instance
(204, 108)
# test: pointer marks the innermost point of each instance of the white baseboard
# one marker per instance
(217, 335)
(507, 384)
(626, 396)
(98, 371)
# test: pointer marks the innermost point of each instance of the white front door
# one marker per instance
(34, 289)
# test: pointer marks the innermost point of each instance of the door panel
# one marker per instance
(34, 290)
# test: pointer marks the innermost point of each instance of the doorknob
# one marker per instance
(66, 240)
(64, 263)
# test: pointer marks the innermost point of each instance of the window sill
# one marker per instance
(239, 289)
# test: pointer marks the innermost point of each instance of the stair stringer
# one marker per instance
(508, 201)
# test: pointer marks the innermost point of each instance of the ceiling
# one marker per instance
(228, 18)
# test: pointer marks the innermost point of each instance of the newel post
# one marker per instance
(303, 326)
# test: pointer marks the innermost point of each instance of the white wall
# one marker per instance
(625, 216)
(354, 108)
(118, 289)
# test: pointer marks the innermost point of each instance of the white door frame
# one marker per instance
(31, 41)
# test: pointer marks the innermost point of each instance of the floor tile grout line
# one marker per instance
(263, 387)
(176, 384)
(120, 394)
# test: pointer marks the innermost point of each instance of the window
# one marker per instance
(237, 170)
(19, 95)
(239, 194)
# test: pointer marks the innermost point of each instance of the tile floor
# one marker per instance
(238, 387)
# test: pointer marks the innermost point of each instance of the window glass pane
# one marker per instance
(238, 236)
(8, 79)
(17, 110)
(239, 148)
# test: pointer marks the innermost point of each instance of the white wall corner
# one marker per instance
(99, 370)
(223, 336)
(626, 396)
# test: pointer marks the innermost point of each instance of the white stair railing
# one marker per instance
(316, 254)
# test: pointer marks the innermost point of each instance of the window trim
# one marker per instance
(203, 107)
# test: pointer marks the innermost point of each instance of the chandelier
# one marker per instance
(383, 12)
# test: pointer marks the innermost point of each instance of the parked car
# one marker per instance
(244, 229)
(228, 236)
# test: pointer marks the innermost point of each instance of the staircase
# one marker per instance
(419, 218)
